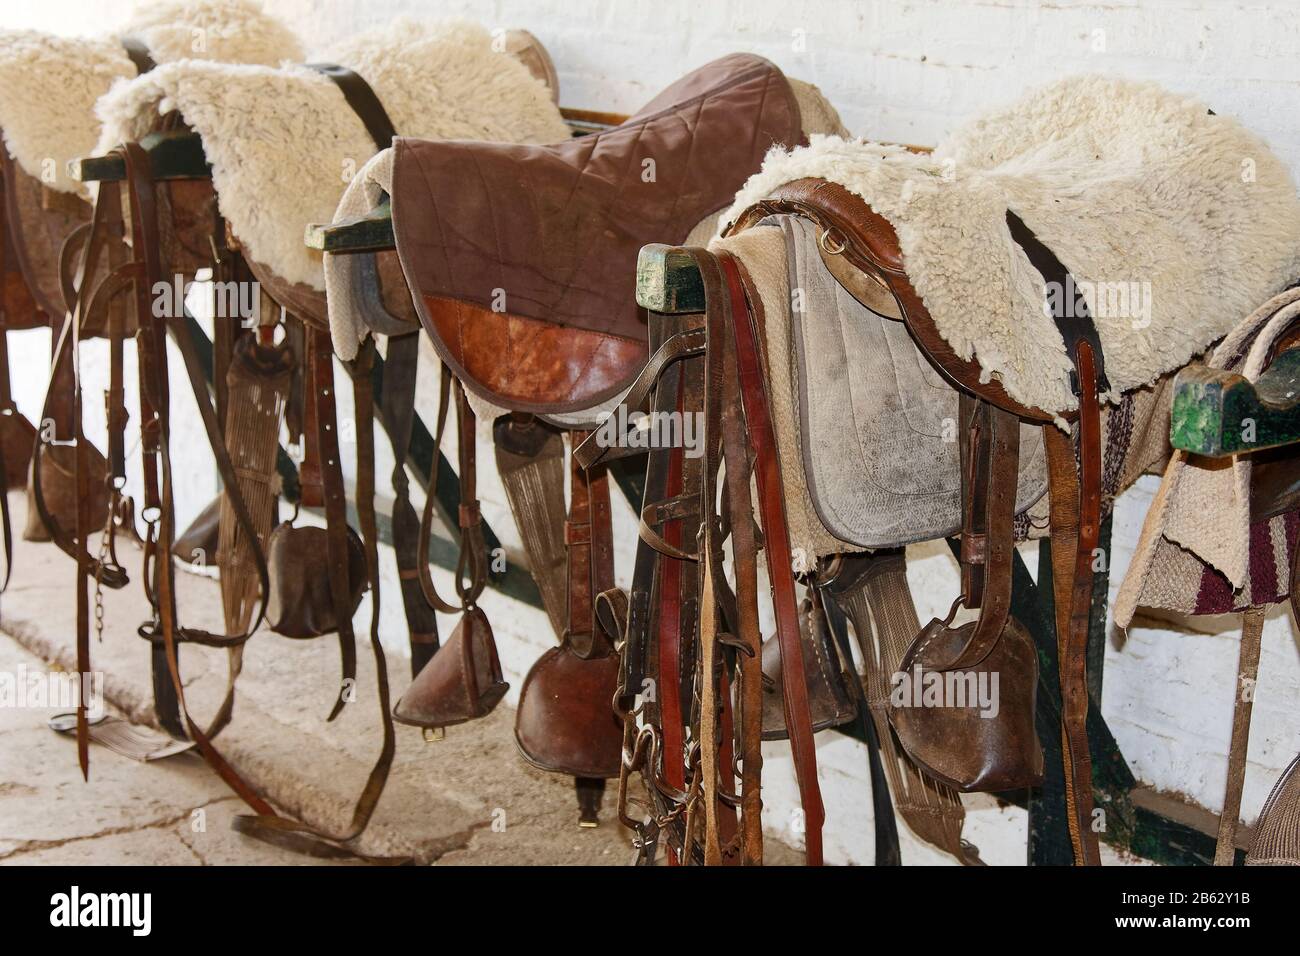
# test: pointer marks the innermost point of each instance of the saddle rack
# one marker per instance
(1218, 413)
(172, 155)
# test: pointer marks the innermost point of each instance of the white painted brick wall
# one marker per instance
(903, 72)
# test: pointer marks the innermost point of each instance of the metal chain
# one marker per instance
(104, 539)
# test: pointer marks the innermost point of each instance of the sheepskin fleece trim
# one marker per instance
(224, 31)
(49, 84)
(264, 129)
(1124, 181)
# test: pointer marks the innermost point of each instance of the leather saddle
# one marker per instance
(1002, 753)
(521, 259)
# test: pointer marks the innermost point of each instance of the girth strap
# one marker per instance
(363, 101)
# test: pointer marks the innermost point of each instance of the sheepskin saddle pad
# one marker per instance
(522, 259)
(1204, 547)
(283, 141)
(1172, 221)
(857, 404)
(577, 243)
(49, 84)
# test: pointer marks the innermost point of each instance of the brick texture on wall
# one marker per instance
(904, 72)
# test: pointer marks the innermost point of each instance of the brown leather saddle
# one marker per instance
(521, 263)
(866, 241)
(521, 259)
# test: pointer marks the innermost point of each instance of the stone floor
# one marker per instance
(468, 799)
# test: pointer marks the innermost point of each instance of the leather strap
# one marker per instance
(1076, 522)
(139, 54)
(725, 439)
(1075, 528)
(1073, 320)
(1252, 630)
(336, 507)
(156, 389)
(990, 473)
(288, 833)
(7, 406)
(776, 542)
(397, 401)
(682, 345)
(363, 101)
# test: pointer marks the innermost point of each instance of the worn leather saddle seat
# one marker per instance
(521, 259)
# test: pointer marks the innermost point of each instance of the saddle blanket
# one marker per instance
(1200, 552)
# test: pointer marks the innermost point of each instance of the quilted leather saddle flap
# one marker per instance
(530, 251)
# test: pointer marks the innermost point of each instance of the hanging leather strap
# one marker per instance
(471, 567)
(397, 401)
(336, 508)
(1076, 530)
(288, 833)
(776, 542)
(7, 407)
(363, 101)
(266, 824)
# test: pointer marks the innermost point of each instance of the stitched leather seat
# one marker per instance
(521, 259)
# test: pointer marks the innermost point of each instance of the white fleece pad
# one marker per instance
(49, 84)
(1174, 221)
(283, 142)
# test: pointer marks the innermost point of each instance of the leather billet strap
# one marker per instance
(1075, 511)
(363, 101)
(589, 544)
(7, 406)
(397, 400)
(325, 403)
(725, 440)
(776, 540)
(1073, 320)
(471, 566)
